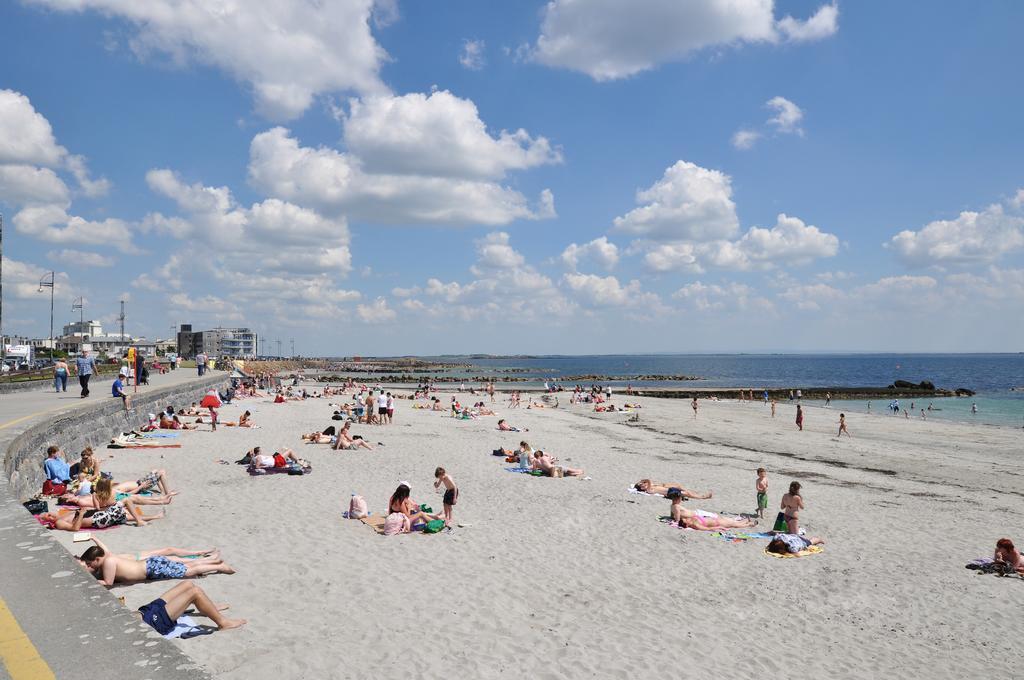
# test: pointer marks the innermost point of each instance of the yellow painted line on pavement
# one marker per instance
(23, 418)
(19, 655)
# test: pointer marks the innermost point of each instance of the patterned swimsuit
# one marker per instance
(109, 516)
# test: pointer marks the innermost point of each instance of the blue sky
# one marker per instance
(573, 177)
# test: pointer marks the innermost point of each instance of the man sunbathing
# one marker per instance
(153, 565)
(280, 459)
(702, 521)
(163, 612)
(346, 442)
(505, 427)
(546, 464)
(663, 489)
(155, 478)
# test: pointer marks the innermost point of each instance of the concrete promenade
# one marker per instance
(56, 621)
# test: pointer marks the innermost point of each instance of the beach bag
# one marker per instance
(357, 507)
(51, 489)
(780, 523)
(395, 523)
(36, 506)
(433, 526)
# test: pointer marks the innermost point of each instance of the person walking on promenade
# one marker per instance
(201, 363)
(85, 365)
(60, 376)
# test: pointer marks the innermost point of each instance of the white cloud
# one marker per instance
(607, 291)
(610, 39)
(688, 203)
(495, 252)
(707, 297)
(745, 139)
(437, 135)
(81, 258)
(600, 250)
(89, 186)
(376, 312)
(333, 181)
(688, 220)
(21, 281)
(787, 115)
(897, 288)
(823, 24)
(790, 241)
(53, 224)
(811, 297)
(472, 56)
(972, 237)
(288, 52)
(27, 138)
(27, 184)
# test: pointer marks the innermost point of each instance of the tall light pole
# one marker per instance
(43, 283)
(79, 304)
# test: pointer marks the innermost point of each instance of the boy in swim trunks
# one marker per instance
(451, 493)
(762, 492)
(163, 612)
(155, 565)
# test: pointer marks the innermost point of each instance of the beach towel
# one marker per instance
(186, 628)
(375, 522)
(809, 550)
(130, 440)
(289, 470)
(45, 524)
(533, 473)
(637, 491)
(986, 565)
(739, 537)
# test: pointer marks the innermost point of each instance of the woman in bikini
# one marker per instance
(792, 504)
(400, 502)
(103, 496)
(703, 521)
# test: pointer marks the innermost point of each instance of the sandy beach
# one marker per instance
(573, 578)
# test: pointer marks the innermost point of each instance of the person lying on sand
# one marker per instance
(155, 479)
(704, 521)
(546, 464)
(505, 427)
(790, 544)
(153, 565)
(163, 612)
(103, 496)
(1006, 554)
(279, 459)
(663, 489)
(178, 424)
(346, 442)
(318, 438)
(111, 516)
(400, 502)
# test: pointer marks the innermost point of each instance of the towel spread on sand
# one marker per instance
(740, 536)
(637, 491)
(375, 522)
(809, 550)
(186, 628)
(525, 471)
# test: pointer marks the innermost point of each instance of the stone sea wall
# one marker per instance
(94, 425)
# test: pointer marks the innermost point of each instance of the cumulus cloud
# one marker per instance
(745, 139)
(81, 258)
(787, 116)
(376, 312)
(287, 52)
(688, 221)
(610, 39)
(607, 291)
(437, 135)
(21, 280)
(333, 181)
(53, 224)
(601, 251)
(786, 120)
(496, 253)
(472, 56)
(971, 237)
(708, 297)
(688, 203)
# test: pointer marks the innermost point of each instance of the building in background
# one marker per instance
(237, 343)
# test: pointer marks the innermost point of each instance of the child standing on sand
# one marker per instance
(762, 491)
(773, 408)
(800, 417)
(693, 405)
(451, 493)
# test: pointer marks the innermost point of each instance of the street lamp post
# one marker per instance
(43, 283)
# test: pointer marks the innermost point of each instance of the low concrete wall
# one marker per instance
(94, 425)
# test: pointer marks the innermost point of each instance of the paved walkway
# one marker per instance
(56, 621)
(19, 407)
